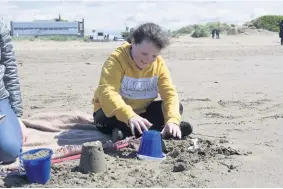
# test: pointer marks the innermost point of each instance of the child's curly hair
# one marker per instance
(151, 32)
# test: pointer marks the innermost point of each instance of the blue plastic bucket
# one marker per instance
(150, 147)
(37, 170)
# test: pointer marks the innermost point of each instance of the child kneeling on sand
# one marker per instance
(131, 78)
(12, 130)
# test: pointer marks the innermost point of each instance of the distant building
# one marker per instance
(47, 27)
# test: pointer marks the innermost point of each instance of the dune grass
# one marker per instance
(204, 30)
(268, 22)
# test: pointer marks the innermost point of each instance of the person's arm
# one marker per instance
(11, 78)
(169, 96)
(109, 87)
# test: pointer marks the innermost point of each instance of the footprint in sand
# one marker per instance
(243, 105)
(218, 115)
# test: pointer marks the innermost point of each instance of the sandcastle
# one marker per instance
(92, 158)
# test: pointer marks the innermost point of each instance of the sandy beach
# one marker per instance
(230, 89)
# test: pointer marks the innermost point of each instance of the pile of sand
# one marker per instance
(125, 170)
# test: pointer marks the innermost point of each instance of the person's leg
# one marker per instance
(154, 115)
(106, 124)
(282, 41)
(10, 134)
(111, 125)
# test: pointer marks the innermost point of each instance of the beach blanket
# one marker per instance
(58, 130)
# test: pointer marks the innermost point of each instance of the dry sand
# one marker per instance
(231, 91)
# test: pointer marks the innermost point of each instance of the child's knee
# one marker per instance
(10, 149)
(10, 140)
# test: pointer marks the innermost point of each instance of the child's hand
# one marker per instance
(139, 123)
(171, 129)
(24, 130)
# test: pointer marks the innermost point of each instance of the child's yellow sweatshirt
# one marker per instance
(125, 91)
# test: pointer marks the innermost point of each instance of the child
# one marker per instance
(11, 128)
(130, 81)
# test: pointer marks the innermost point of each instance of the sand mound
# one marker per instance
(125, 170)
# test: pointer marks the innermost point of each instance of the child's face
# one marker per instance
(144, 53)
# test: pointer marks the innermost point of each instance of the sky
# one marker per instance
(114, 16)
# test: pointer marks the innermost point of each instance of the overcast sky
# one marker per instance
(114, 16)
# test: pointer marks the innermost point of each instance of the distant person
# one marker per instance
(281, 31)
(11, 128)
(131, 78)
(215, 34)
